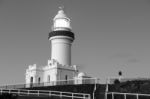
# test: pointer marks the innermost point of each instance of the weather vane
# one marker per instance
(61, 7)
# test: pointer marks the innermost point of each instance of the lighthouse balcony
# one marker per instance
(61, 33)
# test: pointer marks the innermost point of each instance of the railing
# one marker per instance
(60, 94)
(54, 83)
(117, 95)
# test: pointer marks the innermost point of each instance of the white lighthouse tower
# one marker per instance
(61, 39)
(59, 67)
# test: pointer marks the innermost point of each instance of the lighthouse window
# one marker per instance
(31, 80)
(61, 23)
(66, 77)
(39, 80)
(48, 78)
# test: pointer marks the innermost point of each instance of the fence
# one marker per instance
(60, 94)
(117, 95)
(54, 83)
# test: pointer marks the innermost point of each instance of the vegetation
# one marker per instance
(136, 86)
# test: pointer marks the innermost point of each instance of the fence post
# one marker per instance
(28, 92)
(49, 93)
(106, 88)
(60, 95)
(105, 95)
(89, 96)
(9, 91)
(125, 96)
(84, 96)
(112, 95)
(93, 95)
(19, 92)
(38, 93)
(137, 96)
(72, 95)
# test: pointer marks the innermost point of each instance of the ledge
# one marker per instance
(61, 33)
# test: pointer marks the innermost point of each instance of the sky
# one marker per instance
(111, 35)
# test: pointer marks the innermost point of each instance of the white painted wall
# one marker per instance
(36, 73)
(55, 70)
(62, 73)
(61, 49)
(52, 73)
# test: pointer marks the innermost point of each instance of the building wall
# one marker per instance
(50, 74)
(39, 76)
(65, 74)
(34, 74)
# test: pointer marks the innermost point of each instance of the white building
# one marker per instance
(59, 67)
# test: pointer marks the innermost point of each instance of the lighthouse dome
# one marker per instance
(61, 21)
(61, 15)
(81, 74)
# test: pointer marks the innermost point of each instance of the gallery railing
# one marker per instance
(54, 83)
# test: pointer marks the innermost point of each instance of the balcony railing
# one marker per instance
(54, 83)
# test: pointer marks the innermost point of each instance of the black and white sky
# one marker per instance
(111, 35)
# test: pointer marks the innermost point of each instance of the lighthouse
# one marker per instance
(59, 66)
(61, 38)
